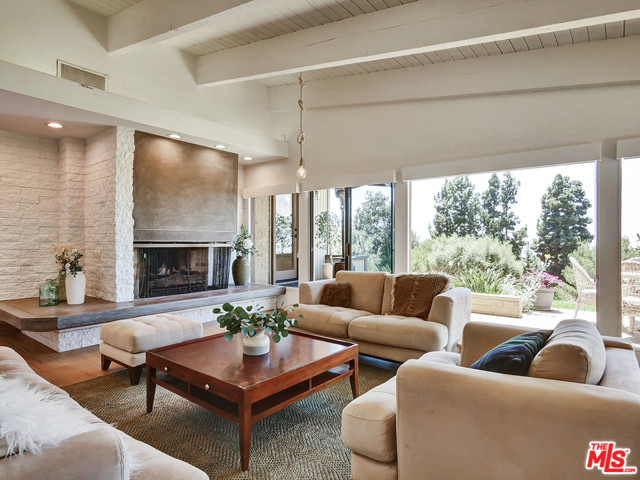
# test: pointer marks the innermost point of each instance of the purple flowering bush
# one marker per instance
(544, 279)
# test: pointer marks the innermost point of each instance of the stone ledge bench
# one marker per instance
(126, 342)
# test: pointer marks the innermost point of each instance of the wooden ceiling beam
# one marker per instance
(409, 29)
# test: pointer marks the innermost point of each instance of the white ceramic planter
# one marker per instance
(76, 288)
(544, 299)
(327, 270)
(256, 345)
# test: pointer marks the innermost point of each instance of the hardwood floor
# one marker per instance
(65, 368)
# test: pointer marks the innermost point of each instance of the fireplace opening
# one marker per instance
(162, 271)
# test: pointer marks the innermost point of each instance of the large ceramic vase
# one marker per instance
(544, 299)
(76, 288)
(241, 270)
(256, 345)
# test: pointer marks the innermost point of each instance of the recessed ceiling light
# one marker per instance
(174, 135)
(247, 158)
(221, 146)
(54, 125)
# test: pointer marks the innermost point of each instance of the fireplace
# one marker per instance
(161, 269)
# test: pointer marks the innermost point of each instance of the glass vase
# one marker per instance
(49, 293)
(62, 289)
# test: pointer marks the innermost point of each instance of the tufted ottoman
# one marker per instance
(125, 342)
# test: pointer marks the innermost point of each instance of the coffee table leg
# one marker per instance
(355, 383)
(244, 426)
(151, 388)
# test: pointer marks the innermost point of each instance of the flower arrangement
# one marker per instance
(544, 279)
(68, 258)
(249, 321)
(243, 245)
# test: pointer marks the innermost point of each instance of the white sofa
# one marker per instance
(438, 419)
(367, 321)
(97, 454)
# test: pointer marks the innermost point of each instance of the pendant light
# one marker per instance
(301, 172)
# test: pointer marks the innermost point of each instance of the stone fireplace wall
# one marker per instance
(68, 191)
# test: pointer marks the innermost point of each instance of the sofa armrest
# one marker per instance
(481, 424)
(311, 292)
(453, 310)
(479, 337)
(97, 454)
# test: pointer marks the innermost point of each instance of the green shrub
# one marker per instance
(479, 281)
(455, 255)
(524, 287)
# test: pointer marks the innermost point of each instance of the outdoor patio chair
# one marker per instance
(631, 290)
(585, 285)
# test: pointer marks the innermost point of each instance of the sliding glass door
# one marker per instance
(370, 227)
(286, 238)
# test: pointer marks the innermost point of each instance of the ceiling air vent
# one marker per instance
(80, 75)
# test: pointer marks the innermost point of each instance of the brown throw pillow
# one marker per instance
(336, 294)
(413, 294)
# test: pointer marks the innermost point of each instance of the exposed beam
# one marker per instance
(418, 27)
(569, 66)
(151, 21)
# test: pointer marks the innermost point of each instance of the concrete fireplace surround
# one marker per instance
(72, 191)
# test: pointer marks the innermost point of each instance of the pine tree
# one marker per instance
(458, 209)
(498, 219)
(563, 223)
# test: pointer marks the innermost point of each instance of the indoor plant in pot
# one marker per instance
(327, 235)
(75, 281)
(241, 267)
(255, 325)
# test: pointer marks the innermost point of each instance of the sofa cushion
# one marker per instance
(336, 294)
(514, 356)
(574, 353)
(413, 294)
(12, 365)
(399, 331)
(369, 423)
(140, 334)
(622, 372)
(326, 320)
(366, 289)
(445, 358)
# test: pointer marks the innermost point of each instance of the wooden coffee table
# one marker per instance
(216, 375)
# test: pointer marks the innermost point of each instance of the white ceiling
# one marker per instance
(28, 115)
(106, 7)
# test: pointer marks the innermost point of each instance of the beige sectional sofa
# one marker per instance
(97, 454)
(438, 419)
(366, 320)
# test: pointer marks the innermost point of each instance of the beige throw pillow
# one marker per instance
(413, 294)
(574, 353)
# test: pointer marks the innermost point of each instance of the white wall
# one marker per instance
(36, 33)
(28, 213)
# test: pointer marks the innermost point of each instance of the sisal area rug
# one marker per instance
(301, 442)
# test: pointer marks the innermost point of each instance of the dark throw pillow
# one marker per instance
(515, 355)
(336, 294)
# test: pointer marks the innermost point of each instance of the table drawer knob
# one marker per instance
(207, 387)
(166, 369)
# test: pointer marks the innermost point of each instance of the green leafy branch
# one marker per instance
(248, 321)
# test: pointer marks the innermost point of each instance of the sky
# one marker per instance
(534, 184)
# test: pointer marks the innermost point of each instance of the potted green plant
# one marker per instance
(327, 234)
(244, 248)
(255, 325)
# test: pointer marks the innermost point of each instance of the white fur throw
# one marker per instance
(33, 418)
